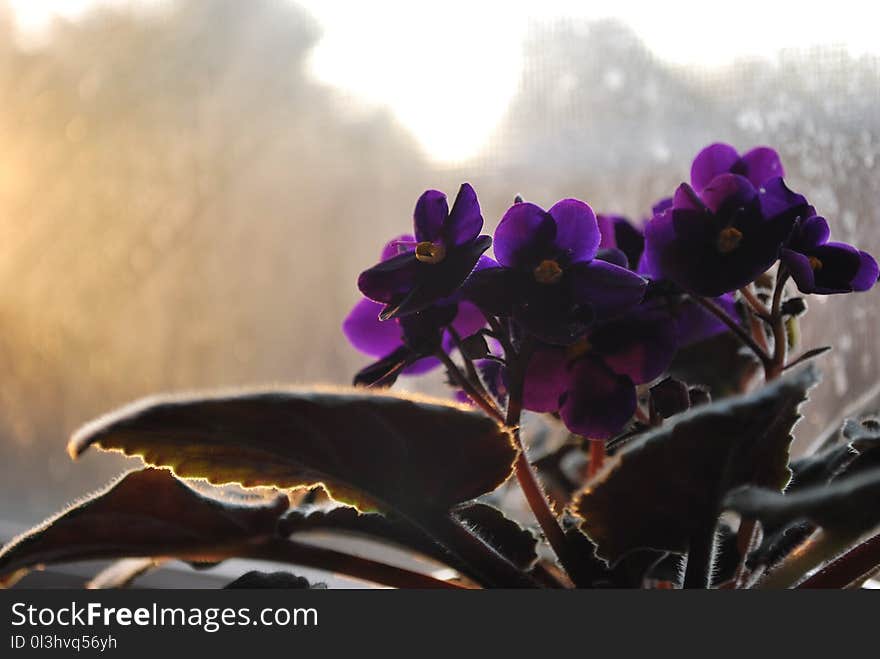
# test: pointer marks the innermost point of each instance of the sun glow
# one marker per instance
(448, 70)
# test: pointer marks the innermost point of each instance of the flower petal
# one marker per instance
(389, 279)
(867, 274)
(546, 380)
(367, 333)
(396, 246)
(577, 233)
(761, 164)
(715, 159)
(599, 402)
(809, 233)
(801, 271)
(524, 236)
(430, 216)
(640, 345)
(609, 289)
(465, 220)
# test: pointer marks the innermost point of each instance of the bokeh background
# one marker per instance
(189, 188)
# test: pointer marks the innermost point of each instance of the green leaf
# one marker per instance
(372, 451)
(147, 513)
(660, 489)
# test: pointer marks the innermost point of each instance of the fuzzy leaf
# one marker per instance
(144, 513)
(257, 579)
(373, 451)
(849, 505)
(503, 534)
(661, 487)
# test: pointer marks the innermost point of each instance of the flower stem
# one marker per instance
(852, 568)
(597, 458)
(734, 327)
(470, 389)
(700, 554)
(525, 475)
(777, 324)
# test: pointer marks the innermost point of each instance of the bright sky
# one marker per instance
(448, 68)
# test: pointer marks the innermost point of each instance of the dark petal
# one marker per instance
(423, 331)
(694, 323)
(661, 206)
(433, 282)
(609, 289)
(430, 216)
(546, 379)
(525, 236)
(577, 233)
(367, 333)
(613, 255)
(549, 314)
(390, 279)
(798, 265)
(495, 290)
(686, 198)
(728, 191)
(715, 159)
(640, 345)
(469, 320)
(630, 240)
(762, 164)
(465, 221)
(599, 402)
(397, 246)
(867, 274)
(618, 232)
(778, 200)
(421, 366)
(384, 372)
(809, 233)
(843, 269)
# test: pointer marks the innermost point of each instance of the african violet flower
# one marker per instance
(723, 238)
(592, 383)
(431, 266)
(819, 266)
(759, 165)
(618, 233)
(405, 345)
(547, 278)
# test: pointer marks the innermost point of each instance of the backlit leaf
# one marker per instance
(373, 451)
(146, 513)
(657, 491)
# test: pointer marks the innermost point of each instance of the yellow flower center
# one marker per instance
(548, 272)
(578, 349)
(428, 252)
(729, 239)
(815, 263)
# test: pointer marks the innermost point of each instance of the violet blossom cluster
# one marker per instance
(590, 306)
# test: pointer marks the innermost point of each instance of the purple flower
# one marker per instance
(433, 265)
(819, 266)
(592, 383)
(759, 165)
(723, 238)
(547, 278)
(405, 346)
(620, 234)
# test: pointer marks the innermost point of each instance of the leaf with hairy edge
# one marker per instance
(660, 489)
(257, 579)
(372, 451)
(122, 573)
(846, 510)
(849, 505)
(503, 534)
(144, 513)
